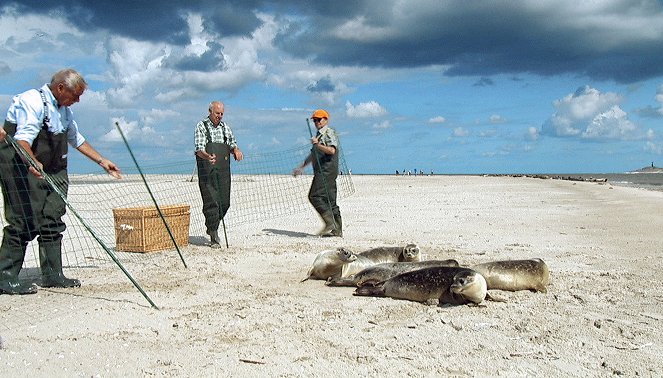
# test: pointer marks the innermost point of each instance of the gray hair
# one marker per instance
(70, 78)
(211, 104)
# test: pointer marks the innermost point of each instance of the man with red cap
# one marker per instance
(324, 157)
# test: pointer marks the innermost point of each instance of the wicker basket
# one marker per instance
(141, 229)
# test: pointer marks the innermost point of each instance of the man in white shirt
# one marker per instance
(42, 123)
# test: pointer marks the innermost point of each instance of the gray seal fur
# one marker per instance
(329, 263)
(384, 271)
(381, 255)
(450, 285)
(514, 275)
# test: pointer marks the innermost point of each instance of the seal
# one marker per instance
(384, 271)
(514, 275)
(381, 255)
(329, 263)
(450, 285)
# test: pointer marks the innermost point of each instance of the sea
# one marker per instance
(644, 180)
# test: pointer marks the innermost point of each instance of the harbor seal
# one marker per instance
(329, 263)
(380, 255)
(514, 275)
(384, 271)
(450, 285)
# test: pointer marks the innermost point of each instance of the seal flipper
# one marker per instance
(370, 290)
(495, 298)
(341, 281)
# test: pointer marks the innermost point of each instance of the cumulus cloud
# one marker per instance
(130, 129)
(437, 119)
(591, 114)
(496, 118)
(460, 132)
(659, 99)
(654, 147)
(382, 125)
(532, 133)
(369, 109)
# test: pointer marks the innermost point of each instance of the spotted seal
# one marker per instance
(384, 271)
(329, 263)
(514, 275)
(450, 285)
(381, 255)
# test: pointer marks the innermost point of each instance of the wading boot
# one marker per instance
(338, 230)
(10, 284)
(215, 242)
(11, 261)
(50, 257)
(329, 228)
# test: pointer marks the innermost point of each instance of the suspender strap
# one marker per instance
(46, 118)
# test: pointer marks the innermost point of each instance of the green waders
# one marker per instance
(20, 226)
(322, 193)
(214, 183)
(33, 208)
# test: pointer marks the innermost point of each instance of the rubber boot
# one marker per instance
(328, 230)
(50, 257)
(214, 239)
(338, 230)
(11, 261)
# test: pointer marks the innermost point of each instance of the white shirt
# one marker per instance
(27, 112)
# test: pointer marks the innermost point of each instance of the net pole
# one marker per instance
(163, 218)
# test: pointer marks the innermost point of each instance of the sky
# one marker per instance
(452, 87)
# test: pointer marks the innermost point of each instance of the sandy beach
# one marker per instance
(243, 311)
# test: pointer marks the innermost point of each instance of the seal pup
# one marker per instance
(380, 255)
(451, 285)
(329, 263)
(514, 275)
(384, 271)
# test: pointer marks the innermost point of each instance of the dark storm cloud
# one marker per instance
(148, 20)
(323, 85)
(649, 112)
(210, 60)
(618, 40)
(484, 82)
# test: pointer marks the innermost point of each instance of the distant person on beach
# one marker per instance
(214, 143)
(42, 123)
(324, 157)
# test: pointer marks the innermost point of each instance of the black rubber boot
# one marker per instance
(338, 230)
(9, 284)
(328, 230)
(11, 261)
(215, 242)
(50, 257)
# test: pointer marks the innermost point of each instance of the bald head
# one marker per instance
(216, 110)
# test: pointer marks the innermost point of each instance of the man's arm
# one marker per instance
(92, 154)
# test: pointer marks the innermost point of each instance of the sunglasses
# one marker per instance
(316, 119)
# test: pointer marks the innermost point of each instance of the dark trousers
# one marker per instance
(214, 184)
(322, 193)
(31, 207)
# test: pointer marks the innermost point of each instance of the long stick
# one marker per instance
(223, 221)
(324, 179)
(53, 185)
(170, 233)
(225, 234)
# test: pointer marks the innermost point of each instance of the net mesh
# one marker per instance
(262, 188)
